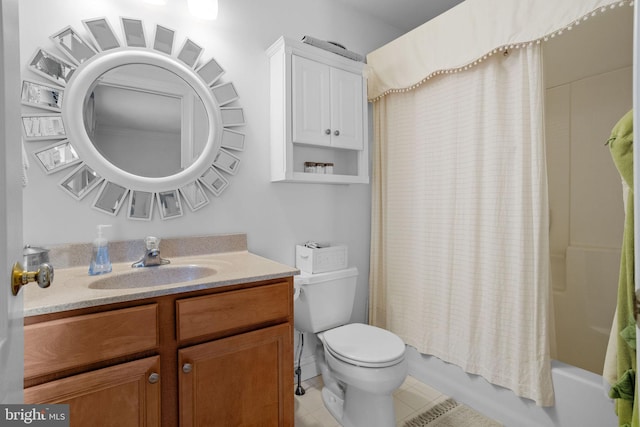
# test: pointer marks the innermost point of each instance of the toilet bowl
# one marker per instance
(368, 364)
(361, 365)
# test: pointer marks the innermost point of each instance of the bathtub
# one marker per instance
(580, 397)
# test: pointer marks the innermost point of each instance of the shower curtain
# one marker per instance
(460, 268)
(460, 253)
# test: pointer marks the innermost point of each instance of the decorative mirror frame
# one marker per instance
(62, 97)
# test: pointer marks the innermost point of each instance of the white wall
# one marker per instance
(275, 216)
(588, 73)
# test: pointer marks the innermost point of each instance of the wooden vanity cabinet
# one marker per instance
(125, 393)
(217, 357)
(242, 379)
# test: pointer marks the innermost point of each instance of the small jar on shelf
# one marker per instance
(310, 167)
(328, 168)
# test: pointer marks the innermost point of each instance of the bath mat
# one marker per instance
(451, 414)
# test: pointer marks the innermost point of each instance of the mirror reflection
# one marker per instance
(81, 181)
(102, 33)
(232, 140)
(169, 203)
(146, 120)
(42, 126)
(41, 96)
(226, 162)
(214, 181)
(194, 195)
(111, 198)
(190, 53)
(52, 67)
(133, 32)
(210, 71)
(163, 40)
(140, 205)
(232, 116)
(57, 156)
(73, 45)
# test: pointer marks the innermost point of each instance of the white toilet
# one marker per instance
(361, 365)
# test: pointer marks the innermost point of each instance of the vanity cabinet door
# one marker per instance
(243, 380)
(327, 105)
(123, 395)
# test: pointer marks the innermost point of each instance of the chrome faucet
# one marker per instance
(152, 254)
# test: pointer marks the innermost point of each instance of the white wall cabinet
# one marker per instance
(318, 114)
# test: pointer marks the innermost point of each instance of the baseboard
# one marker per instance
(308, 367)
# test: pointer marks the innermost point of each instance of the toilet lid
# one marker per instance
(364, 345)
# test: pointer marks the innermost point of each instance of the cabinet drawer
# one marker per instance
(76, 341)
(216, 314)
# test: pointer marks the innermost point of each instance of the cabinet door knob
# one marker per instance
(186, 368)
(336, 133)
(154, 378)
(327, 131)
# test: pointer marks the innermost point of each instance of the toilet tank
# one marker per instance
(324, 300)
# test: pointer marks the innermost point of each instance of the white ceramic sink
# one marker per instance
(152, 276)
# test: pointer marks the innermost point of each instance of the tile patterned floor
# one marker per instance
(411, 399)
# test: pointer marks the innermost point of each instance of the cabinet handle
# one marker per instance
(186, 368)
(336, 133)
(154, 378)
(327, 131)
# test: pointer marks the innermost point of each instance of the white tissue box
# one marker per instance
(321, 260)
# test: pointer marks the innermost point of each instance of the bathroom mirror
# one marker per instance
(136, 110)
(41, 96)
(81, 181)
(56, 156)
(138, 119)
(134, 34)
(76, 49)
(37, 127)
(140, 205)
(51, 67)
(110, 198)
(169, 204)
(194, 195)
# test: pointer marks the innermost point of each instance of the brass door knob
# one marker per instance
(20, 277)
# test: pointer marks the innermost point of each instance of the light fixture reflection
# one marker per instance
(203, 9)
(157, 2)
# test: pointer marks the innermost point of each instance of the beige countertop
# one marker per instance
(73, 288)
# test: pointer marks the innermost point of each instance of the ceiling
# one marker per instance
(403, 14)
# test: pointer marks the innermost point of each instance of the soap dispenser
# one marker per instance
(100, 260)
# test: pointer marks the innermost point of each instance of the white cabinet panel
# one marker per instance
(311, 102)
(346, 109)
(327, 105)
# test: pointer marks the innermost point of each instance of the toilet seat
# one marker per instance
(364, 345)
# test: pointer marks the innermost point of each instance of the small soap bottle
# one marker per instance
(100, 260)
